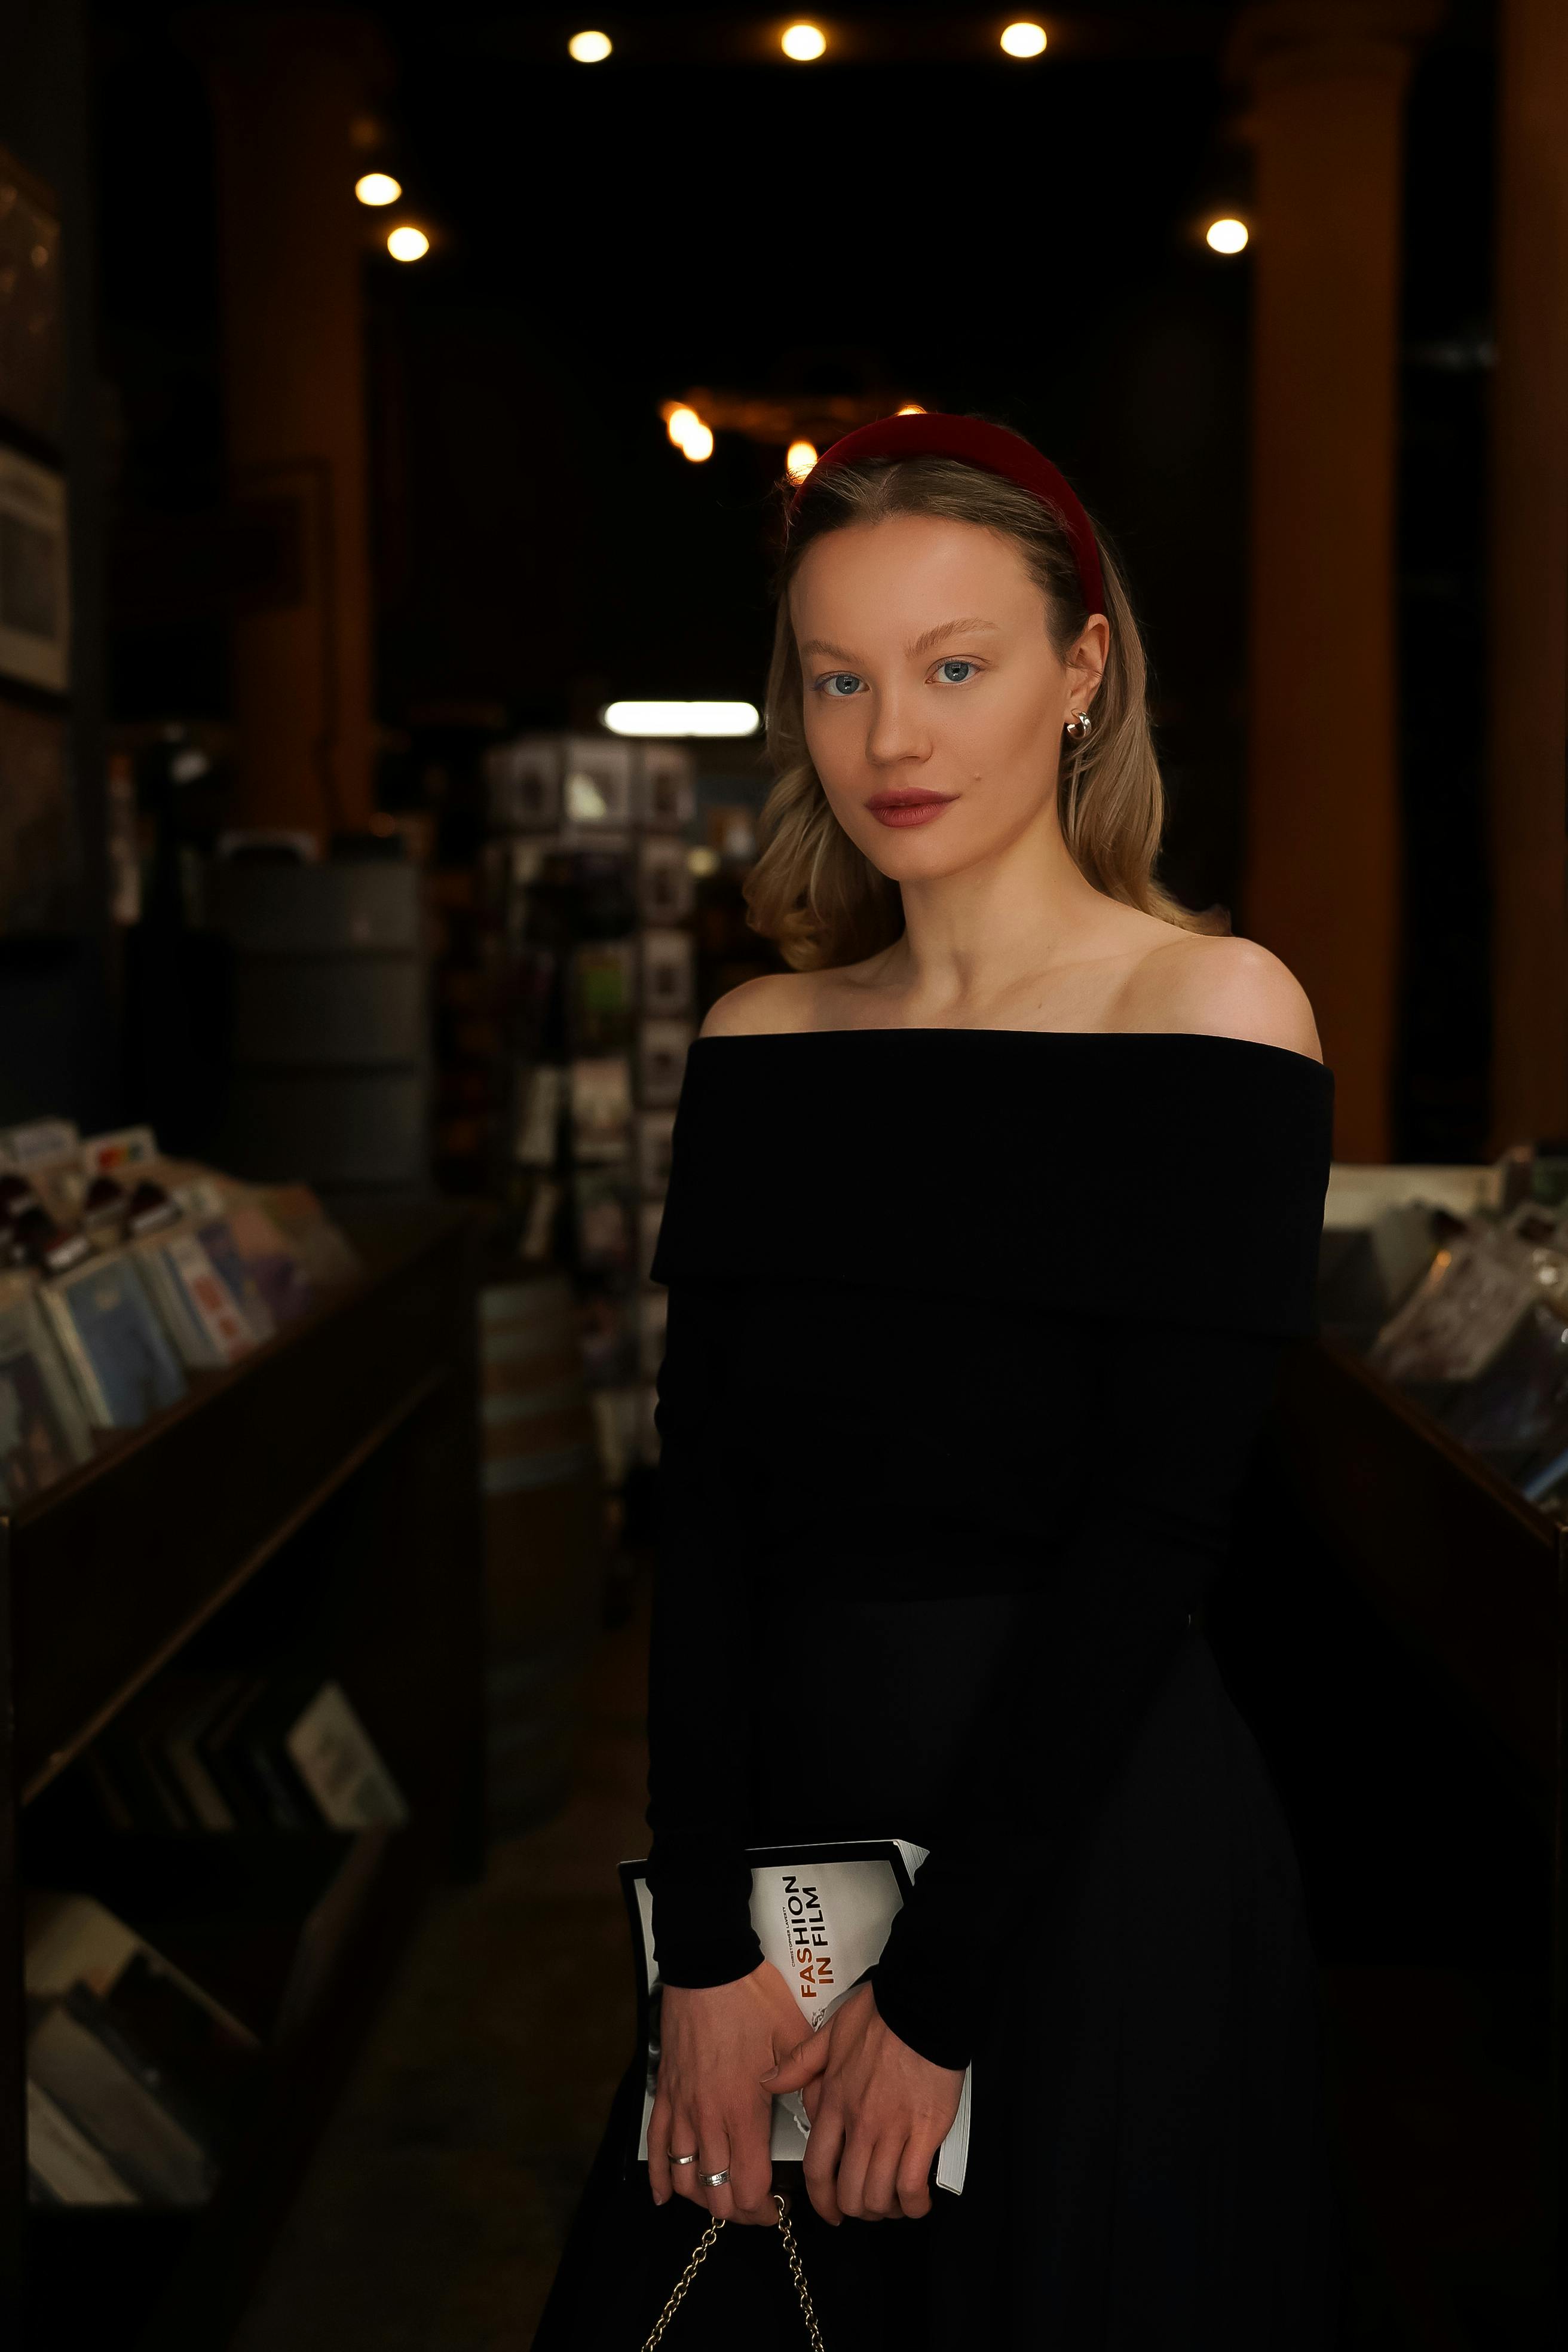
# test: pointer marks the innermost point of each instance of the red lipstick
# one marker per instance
(907, 805)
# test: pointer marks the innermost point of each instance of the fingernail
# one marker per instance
(657, 2198)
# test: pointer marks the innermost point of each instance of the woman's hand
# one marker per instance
(879, 2114)
(715, 2044)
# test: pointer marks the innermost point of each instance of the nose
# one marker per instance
(897, 731)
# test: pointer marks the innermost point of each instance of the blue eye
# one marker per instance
(955, 672)
(842, 683)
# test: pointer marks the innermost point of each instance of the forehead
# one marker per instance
(908, 573)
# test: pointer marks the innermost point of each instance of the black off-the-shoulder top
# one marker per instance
(954, 1315)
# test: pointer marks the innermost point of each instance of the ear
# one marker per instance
(1086, 663)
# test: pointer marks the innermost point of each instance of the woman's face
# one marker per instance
(934, 701)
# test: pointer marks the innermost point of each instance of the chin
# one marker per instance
(922, 856)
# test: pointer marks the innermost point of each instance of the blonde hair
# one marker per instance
(811, 889)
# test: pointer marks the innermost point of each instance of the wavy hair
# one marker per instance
(812, 890)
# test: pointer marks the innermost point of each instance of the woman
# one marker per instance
(987, 1223)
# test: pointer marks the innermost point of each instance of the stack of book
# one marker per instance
(121, 1273)
(138, 2082)
(213, 1754)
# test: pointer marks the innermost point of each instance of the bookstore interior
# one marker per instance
(343, 1027)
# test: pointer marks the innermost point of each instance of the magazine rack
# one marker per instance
(1413, 1632)
(344, 1453)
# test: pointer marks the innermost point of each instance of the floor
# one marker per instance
(433, 2215)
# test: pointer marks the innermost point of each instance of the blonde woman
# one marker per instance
(988, 1223)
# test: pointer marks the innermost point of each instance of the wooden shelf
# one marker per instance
(323, 1491)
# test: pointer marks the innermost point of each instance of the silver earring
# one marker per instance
(1078, 726)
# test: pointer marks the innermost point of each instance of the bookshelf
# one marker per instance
(319, 1499)
(1398, 1641)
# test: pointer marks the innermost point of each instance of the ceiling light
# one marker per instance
(681, 717)
(799, 460)
(378, 188)
(803, 42)
(407, 244)
(679, 421)
(589, 48)
(698, 443)
(1025, 41)
(911, 408)
(1226, 236)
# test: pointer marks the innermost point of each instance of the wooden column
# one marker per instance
(287, 85)
(1321, 878)
(1528, 713)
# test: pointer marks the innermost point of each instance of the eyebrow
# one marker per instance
(923, 645)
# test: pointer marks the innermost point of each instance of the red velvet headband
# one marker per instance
(990, 447)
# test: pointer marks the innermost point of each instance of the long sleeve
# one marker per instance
(1115, 1606)
(699, 1726)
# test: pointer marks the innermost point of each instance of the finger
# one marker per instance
(851, 2186)
(804, 2063)
(879, 2194)
(713, 2142)
(752, 2169)
(682, 2141)
(821, 2165)
(914, 2181)
(658, 2146)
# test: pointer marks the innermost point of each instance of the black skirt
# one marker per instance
(1148, 2161)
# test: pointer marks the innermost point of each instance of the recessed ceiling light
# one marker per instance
(712, 718)
(1025, 41)
(377, 188)
(407, 244)
(1226, 236)
(589, 48)
(803, 42)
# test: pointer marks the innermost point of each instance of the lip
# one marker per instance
(909, 807)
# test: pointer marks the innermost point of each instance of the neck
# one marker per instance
(971, 938)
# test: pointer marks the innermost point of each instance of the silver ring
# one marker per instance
(681, 2159)
(714, 2179)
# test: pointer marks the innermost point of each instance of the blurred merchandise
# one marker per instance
(127, 1270)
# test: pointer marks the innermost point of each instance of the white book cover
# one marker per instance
(70, 2167)
(822, 1914)
(337, 1760)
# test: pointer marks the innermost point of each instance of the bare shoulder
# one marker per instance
(779, 999)
(1217, 986)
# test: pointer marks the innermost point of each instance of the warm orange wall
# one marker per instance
(286, 86)
(1528, 714)
(1322, 884)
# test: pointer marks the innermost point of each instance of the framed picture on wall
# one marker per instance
(37, 840)
(35, 582)
(31, 334)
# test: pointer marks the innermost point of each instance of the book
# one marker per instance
(203, 1317)
(661, 1061)
(602, 1107)
(337, 1761)
(666, 786)
(119, 1356)
(542, 1091)
(271, 1262)
(43, 1428)
(64, 2166)
(603, 996)
(822, 1914)
(668, 972)
(153, 2154)
(604, 1220)
(666, 894)
(656, 1139)
(237, 1274)
(319, 1246)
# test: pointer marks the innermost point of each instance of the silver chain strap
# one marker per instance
(699, 2253)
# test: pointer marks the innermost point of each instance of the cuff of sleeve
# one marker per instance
(932, 2032)
(697, 1963)
(702, 1932)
